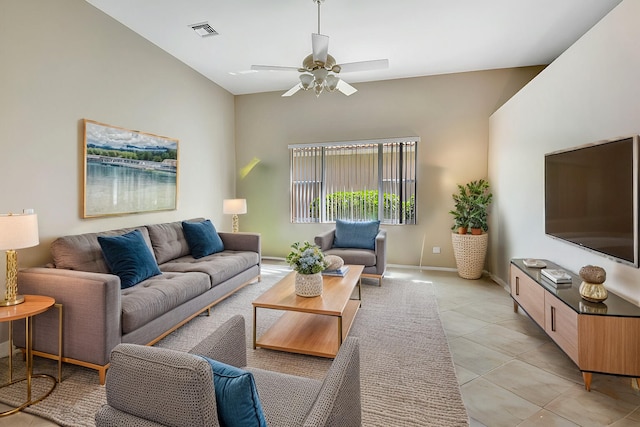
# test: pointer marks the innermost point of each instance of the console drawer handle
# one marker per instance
(553, 318)
(517, 285)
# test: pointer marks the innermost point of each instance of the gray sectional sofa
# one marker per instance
(98, 314)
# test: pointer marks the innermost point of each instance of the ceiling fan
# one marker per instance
(319, 70)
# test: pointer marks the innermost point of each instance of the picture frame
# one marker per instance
(127, 171)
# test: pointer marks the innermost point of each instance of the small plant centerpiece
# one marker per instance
(471, 207)
(308, 262)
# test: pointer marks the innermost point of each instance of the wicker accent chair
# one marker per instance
(374, 261)
(150, 386)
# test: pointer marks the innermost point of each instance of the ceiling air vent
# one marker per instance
(203, 29)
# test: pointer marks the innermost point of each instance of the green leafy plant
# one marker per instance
(471, 205)
(363, 205)
(306, 258)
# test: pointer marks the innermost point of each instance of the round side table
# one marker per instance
(32, 305)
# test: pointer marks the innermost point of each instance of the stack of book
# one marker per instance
(339, 272)
(557, 277)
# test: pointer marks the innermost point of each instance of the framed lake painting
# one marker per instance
(127, 171)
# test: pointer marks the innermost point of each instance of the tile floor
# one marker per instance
(509, 372)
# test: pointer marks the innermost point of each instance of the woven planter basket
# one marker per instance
(470, 251)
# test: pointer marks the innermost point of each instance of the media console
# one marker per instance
(599, 337)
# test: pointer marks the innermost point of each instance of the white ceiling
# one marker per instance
(419, 37)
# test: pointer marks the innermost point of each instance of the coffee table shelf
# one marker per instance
(315, 326)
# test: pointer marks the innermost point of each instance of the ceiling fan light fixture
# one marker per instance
(306, 80)
(332, 82)
(320, 75)
(318, 89)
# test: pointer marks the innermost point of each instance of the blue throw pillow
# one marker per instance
(129, 257)
(202, 238)
(237, 398)
(356, 234)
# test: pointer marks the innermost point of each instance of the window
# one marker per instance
(358, 180)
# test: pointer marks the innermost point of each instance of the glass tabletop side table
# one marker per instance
(32, 306)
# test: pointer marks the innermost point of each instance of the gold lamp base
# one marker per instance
(235, 223)
(11, 296)
(19, 299)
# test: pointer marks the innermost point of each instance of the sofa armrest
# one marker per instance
(381, 251)
(241, 241)
(338, 403)
(227, 344)
(325, 240)
(91, 313)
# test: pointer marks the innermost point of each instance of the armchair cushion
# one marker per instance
(236, 396)
(356, 234)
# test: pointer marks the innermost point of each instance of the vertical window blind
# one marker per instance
(356, 180)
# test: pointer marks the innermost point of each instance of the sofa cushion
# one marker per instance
(155, 296)
(129, 257)
(83, 252)
(219, 267)
(356, 234)
(237, 400)
(203, 238)
(168, 241)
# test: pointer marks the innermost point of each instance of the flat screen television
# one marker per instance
(591, 197)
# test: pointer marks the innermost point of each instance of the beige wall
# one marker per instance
(590, 93)
(449, 113)
(62, 61)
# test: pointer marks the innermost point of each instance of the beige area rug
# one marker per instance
(407, 374)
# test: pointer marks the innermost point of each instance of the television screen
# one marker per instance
(591, 197)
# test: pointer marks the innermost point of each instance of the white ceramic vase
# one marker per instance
(308, 285)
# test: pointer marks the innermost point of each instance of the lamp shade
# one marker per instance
(18, 231)
(234, 206)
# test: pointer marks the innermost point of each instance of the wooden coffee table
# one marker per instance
(315, 326)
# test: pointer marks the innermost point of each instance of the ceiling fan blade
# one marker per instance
(376, 64)
(293, 90)
(320, 45)
(346, 88)
(272, 68)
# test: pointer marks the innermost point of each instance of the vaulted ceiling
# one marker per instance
(418, 37)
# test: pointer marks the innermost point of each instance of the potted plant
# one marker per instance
(471, 205)
(308, 262)
(479, 200)
(461, 210)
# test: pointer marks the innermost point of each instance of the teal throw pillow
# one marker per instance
(237, 398)
(202, 238)
(129, 257)
(356, 234)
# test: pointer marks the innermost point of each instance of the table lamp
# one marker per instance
(17, 231)
(234, 207)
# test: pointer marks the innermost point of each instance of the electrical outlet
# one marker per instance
(436, 249)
